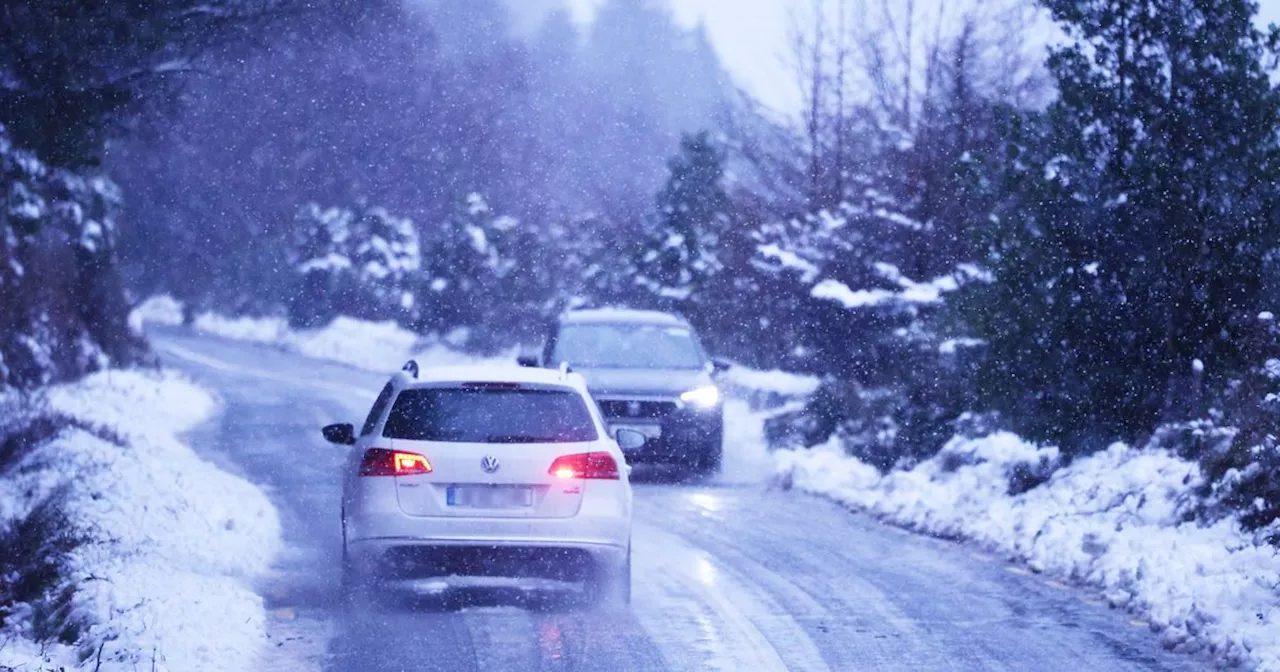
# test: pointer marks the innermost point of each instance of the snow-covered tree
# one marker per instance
(475, 270)
(1143, 203)
(362, 262)
(680, 255)
(62, 311)
(73, 76)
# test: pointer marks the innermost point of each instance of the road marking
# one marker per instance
(210, 362)
(1058, 585)
(1139, 623)
(1013, 569)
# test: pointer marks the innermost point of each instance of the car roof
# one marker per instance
(622, 315)
(496, 373)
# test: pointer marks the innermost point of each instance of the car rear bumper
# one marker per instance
(414, 558)
(390, 543)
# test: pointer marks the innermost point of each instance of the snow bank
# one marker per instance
(772, 389)
(170, 545)
(378, 346)
(253, 329)
(375, 346)
(783, 383)
(161, 309)
(1112, 520)
(746, 455)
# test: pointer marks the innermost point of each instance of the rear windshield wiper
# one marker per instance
(521, 438)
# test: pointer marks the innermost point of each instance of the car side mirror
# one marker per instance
(342, 433)
(528, 361)
(720, 365)
(630, 439)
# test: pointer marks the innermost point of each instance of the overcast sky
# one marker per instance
(751, 36)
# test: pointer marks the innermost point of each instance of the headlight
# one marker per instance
(703, 397)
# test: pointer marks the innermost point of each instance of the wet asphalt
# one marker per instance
(730, 573)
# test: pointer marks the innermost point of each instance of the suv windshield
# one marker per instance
(627, 346)
(488, 415)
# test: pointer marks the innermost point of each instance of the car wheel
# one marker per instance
(610, 584)
(624, 580)
(709, 463)
(354, 593)
(705, 457)
(348, 574)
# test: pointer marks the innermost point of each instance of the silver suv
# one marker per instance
(648, 373)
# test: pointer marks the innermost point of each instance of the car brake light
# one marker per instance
(384, 462)
(585, 465)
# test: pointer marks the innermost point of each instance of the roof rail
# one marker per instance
(411, 367)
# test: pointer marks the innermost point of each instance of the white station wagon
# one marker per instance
(486, 471)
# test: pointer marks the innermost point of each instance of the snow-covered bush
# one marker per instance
(1237, 442)
(887, 427)
(359, 261)
(119, 546)
(896, 386)
(1239, 451)
(842, 306)
(1249, 485)
(1116, 520)
(35, 548)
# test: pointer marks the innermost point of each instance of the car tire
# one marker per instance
(353, 592)
(624, 581)
(710, 453)
(709, 462)
(610, 584)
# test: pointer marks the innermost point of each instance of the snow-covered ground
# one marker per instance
(375, 346)
(169, 545)
(1113, 521)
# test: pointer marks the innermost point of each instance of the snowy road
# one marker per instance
(729, 574)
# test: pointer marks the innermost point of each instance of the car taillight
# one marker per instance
(585, 465)
(384, 462)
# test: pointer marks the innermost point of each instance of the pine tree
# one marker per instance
(467, 267)
(681, 253)
(1144, 201)
(360, 262)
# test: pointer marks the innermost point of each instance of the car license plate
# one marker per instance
(650, 432)
(489, 496)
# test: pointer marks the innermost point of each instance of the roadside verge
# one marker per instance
(1116, 520)
(122, 549)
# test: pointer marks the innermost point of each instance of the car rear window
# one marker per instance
(490, 415)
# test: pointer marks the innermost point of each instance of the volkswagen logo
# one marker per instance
(489, 463)
(633, 409)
